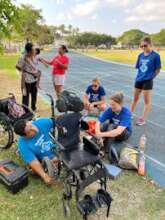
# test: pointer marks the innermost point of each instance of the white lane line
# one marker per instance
(151, 122)
(109, 61)
(114, 80)
(155, 161)
(110, 90)
(149, 157)
(130, 79)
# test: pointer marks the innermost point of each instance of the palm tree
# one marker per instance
(70, 28)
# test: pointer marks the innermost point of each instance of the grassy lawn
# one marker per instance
(7, 64)
(135, 198)
(122, 56)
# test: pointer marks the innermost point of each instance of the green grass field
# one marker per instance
(7, 64)
(135, 198)
(122, 56)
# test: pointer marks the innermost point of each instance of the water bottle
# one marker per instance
(141, 168)
(142, 144)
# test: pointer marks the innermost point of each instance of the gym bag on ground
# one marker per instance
(129, 158)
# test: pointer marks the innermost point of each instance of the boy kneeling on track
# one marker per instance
(35, 143)
(95, 96)
(119, 127)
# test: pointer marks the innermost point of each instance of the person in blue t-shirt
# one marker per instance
(118, 126)
(94, 96)
(148, 65)
(35, 143)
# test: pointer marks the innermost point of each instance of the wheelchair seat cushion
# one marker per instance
(78, 158)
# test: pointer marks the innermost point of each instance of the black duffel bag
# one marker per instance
(69, 101)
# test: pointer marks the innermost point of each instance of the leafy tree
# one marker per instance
(45, 36)
(70, 28)
(90, 38)
(159, 38)
(30, 20)
(8, 14)
(132, 37)
(8, 17)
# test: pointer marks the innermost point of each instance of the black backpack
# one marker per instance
(69, 101)
(68, 126)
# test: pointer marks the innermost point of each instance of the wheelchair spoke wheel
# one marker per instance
(6, 134)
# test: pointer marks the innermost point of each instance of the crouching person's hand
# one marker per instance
(38, 169)
(47, 179)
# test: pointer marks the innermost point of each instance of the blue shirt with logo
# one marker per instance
(95, 96)
(40, 145)
(123, 118)
(147, 65)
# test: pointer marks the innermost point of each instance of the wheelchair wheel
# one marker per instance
(6, 133)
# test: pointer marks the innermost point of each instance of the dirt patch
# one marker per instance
(12, 85)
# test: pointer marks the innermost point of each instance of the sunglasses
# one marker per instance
(94, 86)
(144, 46)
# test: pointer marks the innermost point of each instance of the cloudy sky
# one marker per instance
(108, 16)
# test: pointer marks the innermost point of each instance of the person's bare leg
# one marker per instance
(58, 89)
(147, 103)
(137, 93)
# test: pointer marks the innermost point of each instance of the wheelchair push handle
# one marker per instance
(51, 98)
(11, 95)
(52, 105)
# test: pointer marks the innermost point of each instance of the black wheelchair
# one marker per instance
(7, 120)
(80, 164)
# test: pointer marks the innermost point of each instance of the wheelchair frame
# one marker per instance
(7, 122)
(78, 179)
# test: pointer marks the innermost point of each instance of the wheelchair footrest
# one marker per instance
(90, 204)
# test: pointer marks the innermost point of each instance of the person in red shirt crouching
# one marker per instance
(60, 64)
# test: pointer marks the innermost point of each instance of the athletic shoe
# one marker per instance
(140, 122)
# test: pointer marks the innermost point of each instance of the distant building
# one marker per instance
(119, 45)
(102, 46)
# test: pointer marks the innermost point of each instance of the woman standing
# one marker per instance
(30, 76)
(148, 65)
(60, 64)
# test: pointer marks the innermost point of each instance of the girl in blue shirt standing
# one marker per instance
(148, 65)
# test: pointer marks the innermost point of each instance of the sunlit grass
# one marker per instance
(8, 63)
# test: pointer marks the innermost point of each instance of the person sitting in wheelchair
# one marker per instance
(35, 144)
(119, 126)
(95, 96)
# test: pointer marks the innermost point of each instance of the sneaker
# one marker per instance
(140, 122)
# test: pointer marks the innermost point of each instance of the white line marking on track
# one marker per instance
(109, 61)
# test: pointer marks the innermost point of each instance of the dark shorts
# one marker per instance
(144, 85)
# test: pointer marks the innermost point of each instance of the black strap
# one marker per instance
(100, 173)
